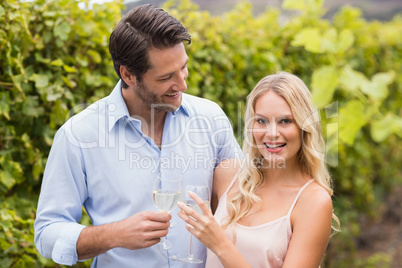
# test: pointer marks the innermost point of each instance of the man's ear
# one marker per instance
(129, 78)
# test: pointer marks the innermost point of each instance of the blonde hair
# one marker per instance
(310, 157)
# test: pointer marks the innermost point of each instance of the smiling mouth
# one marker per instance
(274, 146)
(173, 95)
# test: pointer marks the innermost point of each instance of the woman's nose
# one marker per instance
(272, 130)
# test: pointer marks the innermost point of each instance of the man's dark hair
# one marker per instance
(143, 28)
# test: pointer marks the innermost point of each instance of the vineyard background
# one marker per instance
(54, 60)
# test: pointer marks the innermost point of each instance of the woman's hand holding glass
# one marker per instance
(202, 224)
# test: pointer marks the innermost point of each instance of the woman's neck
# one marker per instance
(287, 174)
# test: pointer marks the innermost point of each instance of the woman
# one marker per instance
(277, 211)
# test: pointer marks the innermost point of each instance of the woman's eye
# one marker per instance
(261, 121)
(286, 121)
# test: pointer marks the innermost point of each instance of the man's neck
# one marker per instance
(152, 120)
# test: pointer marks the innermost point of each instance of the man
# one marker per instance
(107, 157)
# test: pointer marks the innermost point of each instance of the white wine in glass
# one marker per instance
(166, 200)
(166, 193)
(204, 194)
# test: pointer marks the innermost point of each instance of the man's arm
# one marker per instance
(59, 209)
(59, 236)
(141, 230)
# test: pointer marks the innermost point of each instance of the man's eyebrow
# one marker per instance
(171, 73)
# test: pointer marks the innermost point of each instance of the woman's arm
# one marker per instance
(205, 228)
(311, 220)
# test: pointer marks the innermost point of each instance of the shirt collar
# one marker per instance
(117, 107)
(183, 107)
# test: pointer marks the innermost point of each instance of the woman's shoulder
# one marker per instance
(316, 194)
(313, 201)
(224, 175)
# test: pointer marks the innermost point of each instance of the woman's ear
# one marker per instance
(128, 77)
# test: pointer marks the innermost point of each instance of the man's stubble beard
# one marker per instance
(152, 101)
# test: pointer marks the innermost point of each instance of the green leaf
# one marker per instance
(11, 172)
(14, 15)
(351, 79)
(5, 104)
(27, 141)
(17, 82)
(69, 83)
(92, 80)
(41, 80)
(48, 135)
(54, 92)
(69, 69)
(377, 88)
(58, 115)
(323, 85)
(31, 107)
(6, 262)
(7, 179)
(352, 118)
(2, 12)
(398, 126)
(3, 37)
(329, 40)
(346, 40)
(309, 38)
(62, 30)
(49, 13)
(58, 62)
(385, 126)
(94, 55)
(49, 23)
(39, 58)
(381, 128)
(37, 168)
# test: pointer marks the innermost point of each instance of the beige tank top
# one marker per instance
(263, 245)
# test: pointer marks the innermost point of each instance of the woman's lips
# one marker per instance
(275, 148)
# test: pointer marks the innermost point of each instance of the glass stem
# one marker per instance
(190, 255)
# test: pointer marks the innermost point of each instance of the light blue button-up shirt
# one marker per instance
(100, 159)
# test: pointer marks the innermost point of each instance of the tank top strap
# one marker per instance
(298, 195)
(230, 185)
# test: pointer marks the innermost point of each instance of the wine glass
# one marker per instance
(166, 193)
(204, 194)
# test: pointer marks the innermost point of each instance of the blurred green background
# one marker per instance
(54, 61)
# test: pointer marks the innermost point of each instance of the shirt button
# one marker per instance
(111, 107)
(174, 257)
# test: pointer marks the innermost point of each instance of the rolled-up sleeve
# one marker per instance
(58, 241)
(60, 202)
